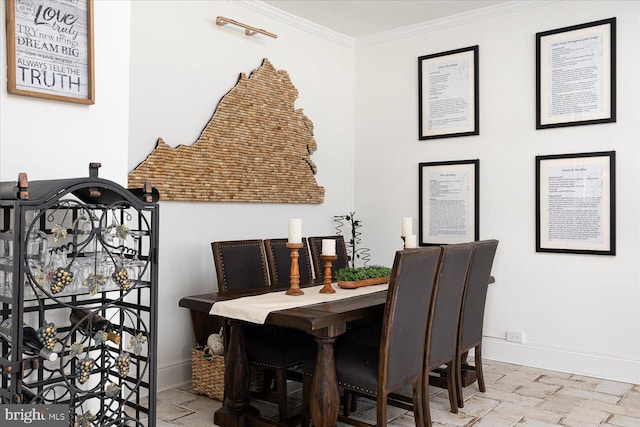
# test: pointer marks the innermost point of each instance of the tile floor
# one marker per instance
(516, 396)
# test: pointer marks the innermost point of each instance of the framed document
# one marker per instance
(576, 75)
(575, 203)
(449, 202)
(50, 49)
(448, 94)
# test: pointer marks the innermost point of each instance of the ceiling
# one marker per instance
(360, 18)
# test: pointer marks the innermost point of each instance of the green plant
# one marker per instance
(351, 274)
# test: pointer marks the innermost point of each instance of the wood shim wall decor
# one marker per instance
(256, 148)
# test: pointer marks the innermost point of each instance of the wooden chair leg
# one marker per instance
(266, 381)
(381, 410)
(458, 379)
(426, 411)
(281, 389)
(418, 406)
(306, 393)
(354, 402)
(348, 396)
(478, 363)
(451, 388)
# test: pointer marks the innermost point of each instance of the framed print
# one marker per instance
(50, 49)
(575, 203)
(576, 75)
(448, 94)
(449, 202)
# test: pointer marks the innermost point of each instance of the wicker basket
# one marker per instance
(207, 374)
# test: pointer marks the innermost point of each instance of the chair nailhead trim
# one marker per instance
(266, 365)
(352, 387)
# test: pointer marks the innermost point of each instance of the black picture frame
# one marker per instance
(576, 75)
(449, 202)
(448, 84)
(576, 203)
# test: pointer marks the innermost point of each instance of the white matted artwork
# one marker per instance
(576, 75)
(449, 202)
(575, 203)
(448, 94)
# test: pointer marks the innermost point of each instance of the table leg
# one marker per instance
(236, 408)
(325, 396)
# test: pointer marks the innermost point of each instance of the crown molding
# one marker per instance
(295, 21)
(513, 6)
(451, 21)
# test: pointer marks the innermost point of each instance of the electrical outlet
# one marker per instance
(515, 336)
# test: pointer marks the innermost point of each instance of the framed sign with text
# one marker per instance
(576, 203)
(576, 75)
(448, 94)
(449, 210)
(50, 49)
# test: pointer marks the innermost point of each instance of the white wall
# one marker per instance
(181, 66)
(52, 139)
(579, 313)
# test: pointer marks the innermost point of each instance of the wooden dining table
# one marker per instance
(325, 321)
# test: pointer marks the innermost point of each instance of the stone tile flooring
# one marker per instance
(516, 396)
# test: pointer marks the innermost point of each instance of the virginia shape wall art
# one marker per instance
(256, 148)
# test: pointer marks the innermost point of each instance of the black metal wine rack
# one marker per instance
(105, 238)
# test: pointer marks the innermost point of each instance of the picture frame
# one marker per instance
(449, 202)
(448, 94)
(576, 75)
(50, 49)
(576, 203)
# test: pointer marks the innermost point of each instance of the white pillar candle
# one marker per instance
(295, 230)
(329, 247)
(407, 226)
(410, 241)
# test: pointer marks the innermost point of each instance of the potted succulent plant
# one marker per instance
(355, 277)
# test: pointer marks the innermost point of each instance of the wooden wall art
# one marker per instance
(256, 148)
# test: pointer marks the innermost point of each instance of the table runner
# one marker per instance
(255, 309)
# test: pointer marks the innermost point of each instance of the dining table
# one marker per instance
(326, 319)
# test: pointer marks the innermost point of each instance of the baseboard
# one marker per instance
(554, 359)
(174, 375)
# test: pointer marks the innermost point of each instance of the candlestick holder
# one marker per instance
(404, 242)
(328, 261)
(294, 288)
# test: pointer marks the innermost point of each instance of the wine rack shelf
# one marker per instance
(78, 263)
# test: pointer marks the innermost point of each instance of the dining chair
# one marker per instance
(376, 370)
(279, 260)
(241, 266)
(442, 325)
(315, 244)
(444, 314)
(472, 316)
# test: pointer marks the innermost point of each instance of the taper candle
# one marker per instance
(295, 230)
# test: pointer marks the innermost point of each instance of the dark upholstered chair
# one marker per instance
(241, 266)
(315, 244)
(394, 360)
(472, 316)
(279, 259)
(444, 313)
